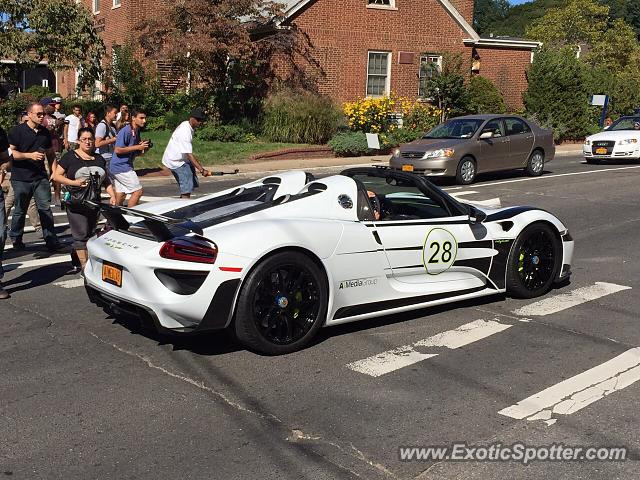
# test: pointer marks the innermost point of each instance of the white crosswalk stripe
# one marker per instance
(557, 303)
(392, 360)
(575, 393)
(73, 283)
(39, 262)
(406, 355)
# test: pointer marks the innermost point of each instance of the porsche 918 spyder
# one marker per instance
(276, 259)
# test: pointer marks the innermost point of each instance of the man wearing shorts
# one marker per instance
(178, 156)
(127, 147)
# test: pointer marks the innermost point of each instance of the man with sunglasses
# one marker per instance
(30, 143)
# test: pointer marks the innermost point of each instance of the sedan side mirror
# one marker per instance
(485, 135)
(475, 215)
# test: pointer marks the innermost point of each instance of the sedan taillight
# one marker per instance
(189, 251)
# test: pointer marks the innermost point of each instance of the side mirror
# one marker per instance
(475, 215)
(485, 135)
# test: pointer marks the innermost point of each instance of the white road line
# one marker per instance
(575, 393)
(543, 177)
(557, 303)
(459, 194)
(38, 262)
(392, 360)
(491, 203)
(74, 283)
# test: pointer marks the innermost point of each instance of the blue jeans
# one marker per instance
(40, 190)
(185, 175)
(3, 230)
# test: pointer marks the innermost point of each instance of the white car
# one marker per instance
(278, 258)
(620, 141)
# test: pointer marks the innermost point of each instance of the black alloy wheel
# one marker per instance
(533, 262)
(282, 304)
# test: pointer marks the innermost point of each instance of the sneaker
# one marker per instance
(19, 245)
(4, 294)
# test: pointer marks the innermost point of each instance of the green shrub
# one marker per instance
(300, 117)
(484, 96)
(422, 117)
(404, 135)
(350, 144)
(156, 123)
(224, 133)
(39, 92)
(174, 118)
(558, 93)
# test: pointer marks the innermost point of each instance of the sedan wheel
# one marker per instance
(466, 172)
(535, 165)
(282, 304)
(533, 262)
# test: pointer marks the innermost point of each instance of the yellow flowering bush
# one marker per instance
(375, 115)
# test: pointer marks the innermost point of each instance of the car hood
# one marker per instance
(615, 135)
(427, 144)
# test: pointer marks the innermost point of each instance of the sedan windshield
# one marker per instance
(456, 128)
(625, 123)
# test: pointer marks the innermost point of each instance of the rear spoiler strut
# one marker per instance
(161, 227)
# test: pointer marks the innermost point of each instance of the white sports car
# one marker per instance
(278, 258)
(620, 141)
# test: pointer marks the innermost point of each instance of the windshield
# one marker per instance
(456, 128)
(625, 123)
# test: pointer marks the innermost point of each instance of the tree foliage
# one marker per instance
(60, 32)
(448, 90)
(487, 13)
(226, 46)
(579, 22)
(484, 96)
(558, 91)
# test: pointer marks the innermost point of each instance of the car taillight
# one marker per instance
(189, 251)
(105, 229)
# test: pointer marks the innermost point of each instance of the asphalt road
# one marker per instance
(84, 395)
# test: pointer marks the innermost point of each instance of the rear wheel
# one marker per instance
(535, 165)
(282, 304)
(533, 262)
(466, 172)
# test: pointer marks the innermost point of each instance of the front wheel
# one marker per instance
(535, 165)
(282, 304)
(466, 172)
(533, 262)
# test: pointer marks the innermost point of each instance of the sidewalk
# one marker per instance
(329, 163)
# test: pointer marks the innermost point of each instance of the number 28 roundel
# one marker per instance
(440, 251)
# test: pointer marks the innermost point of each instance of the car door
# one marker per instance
(521, 141)
(494, 151)
(431, 246)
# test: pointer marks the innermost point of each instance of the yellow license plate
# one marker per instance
(601, 151)
(407, 168)
(112, 273)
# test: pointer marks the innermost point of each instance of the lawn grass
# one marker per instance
(209, 153)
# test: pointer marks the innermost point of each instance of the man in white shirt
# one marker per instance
(72, 123)
(178, 156)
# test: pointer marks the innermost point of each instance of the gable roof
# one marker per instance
(292, 7)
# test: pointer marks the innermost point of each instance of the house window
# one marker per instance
(386, 3)
(96, 6)
(430, 66)
(116, 3)
(378, 74)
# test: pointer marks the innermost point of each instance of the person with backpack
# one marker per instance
(106, 134)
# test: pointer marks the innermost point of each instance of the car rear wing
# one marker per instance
(161, 227)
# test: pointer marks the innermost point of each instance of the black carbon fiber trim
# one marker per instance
(365, 308)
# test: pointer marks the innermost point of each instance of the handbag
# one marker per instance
(75, 197)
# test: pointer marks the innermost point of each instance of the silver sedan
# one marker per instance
(465, 146)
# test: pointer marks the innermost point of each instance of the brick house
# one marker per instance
(366, 47)
(374, 47)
